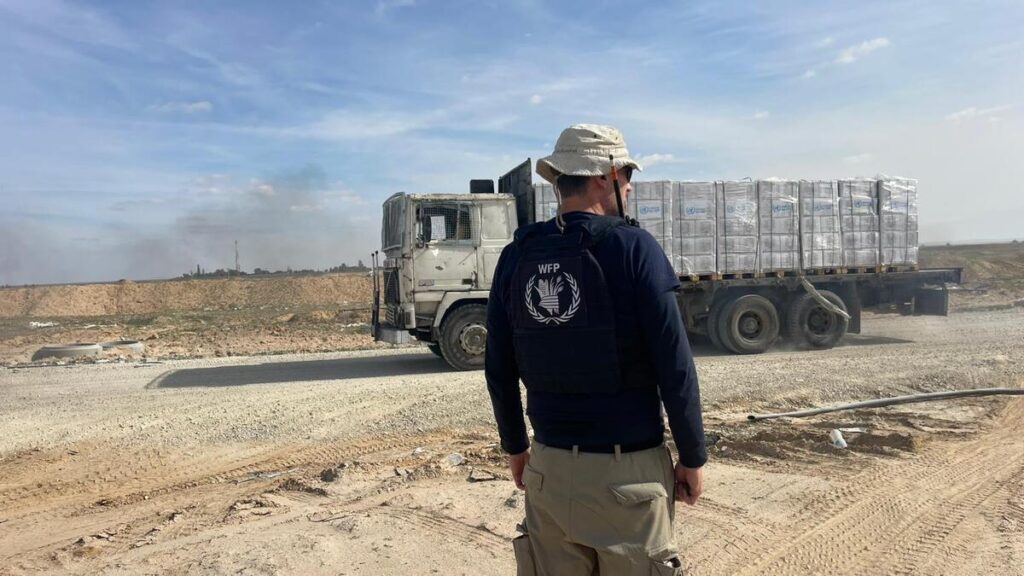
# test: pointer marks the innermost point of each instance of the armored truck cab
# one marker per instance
(439, 254)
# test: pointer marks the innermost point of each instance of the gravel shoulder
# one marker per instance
(232, 465)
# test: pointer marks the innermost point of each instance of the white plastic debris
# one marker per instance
(837, 439)
(43, 324)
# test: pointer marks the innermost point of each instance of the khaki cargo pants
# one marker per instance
(607, 514)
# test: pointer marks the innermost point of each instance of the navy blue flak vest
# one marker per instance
(563, 318)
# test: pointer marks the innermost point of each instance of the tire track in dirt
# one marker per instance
(118, 483)
(447, 528)
(918, 537)
(915, 504)
(58, 503)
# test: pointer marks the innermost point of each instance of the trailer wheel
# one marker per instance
(436, 349)
(749, 324)
(464, 337)
(810, 325)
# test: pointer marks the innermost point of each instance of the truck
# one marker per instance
(433, 275)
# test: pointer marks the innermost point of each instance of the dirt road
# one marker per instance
(360, 463)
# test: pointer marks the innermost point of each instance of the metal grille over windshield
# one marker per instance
(445, 222)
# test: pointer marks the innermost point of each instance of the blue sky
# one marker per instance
(138, 139)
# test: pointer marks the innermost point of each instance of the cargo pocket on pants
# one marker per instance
(525, 565)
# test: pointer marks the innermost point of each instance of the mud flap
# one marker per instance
(525, 564)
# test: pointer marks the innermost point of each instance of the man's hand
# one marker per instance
(689, 484)
(516, 463)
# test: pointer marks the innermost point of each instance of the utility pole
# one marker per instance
(238, 269)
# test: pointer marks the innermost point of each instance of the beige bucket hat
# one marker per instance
(583, 150)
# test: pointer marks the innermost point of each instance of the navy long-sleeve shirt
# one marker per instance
(643, 288)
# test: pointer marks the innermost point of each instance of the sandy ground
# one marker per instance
(343, 463)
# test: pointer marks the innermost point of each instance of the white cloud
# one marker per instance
(825, 42)
(851, 54)
(197, 107)
(859, 158)
(211, 184)
(349, 125)
(536, 99)
(648, 160)
(810, 73)
(263, 189)
(973, 112)
(385, 6)
(338, 192)
(761, 115)
(230, 72)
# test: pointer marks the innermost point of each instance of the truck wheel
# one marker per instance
(811, 325)
(749, 324)
(712, 322)
(436, 349)
(464, 337)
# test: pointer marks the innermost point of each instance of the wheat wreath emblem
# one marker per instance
(548, 291)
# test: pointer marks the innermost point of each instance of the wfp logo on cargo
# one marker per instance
(649, 211)
(865, 203)
(782, 209)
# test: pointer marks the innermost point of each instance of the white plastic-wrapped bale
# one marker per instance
(821, 235)
(737, 227)
(694, 224)
(545, 202)
(779, 225)
(897, 201)
(858, 204)
(651, 204)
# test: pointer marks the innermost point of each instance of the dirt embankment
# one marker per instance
(982, 263)
(126, 297)
(193, 318)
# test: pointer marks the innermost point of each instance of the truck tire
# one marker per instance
(436, 349)
(810, 325)
(464, 337)
(714, 314)
(749, 324)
